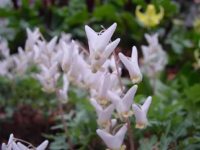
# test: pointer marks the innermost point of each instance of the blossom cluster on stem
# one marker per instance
(96, 71)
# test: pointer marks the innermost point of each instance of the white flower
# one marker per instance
(48, 77)
(123, 105)
(4, 50)
(9, 145)
(92, 80)
(141, 113)
(100, 83)
(22, 61)
(113, 142)
(101, 92)
(154, 57)
(51, 45)
(104, 115)
(14, 145)
(21, 146)
(4, 65)
(98, 43)
(114, 82)
(110, 64)
(5, 3)
(36, 53)
(32, 38)
(43, 145)
(46, 53)
(66, 37)
(131, 64)
(77, 69)
(99, 46)
(97, 62)
(152, 39)
(69, 51)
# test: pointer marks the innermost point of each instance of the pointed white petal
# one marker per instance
(104, 86)
(106, 137)
(105, 37)
(110, 48)
(90, 33)
(148, 38)
(132, 66)
(121, 133)
(113, 142)
(51, 44)
(125, 61)
(10, 139)
(14, 146)
(106, 114)
(22, 146)
(147, 103)
(128, 98)
(92, 37)
(43, 145)
(140, 115)
(134, 54)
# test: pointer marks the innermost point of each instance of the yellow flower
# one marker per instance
(149, 18)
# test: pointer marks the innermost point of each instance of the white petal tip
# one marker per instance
(134, 48)
(43, 145)
(135, 86)
(114, 24)
(149, 99)
(98, 131)
(86, 26)
(118, 40)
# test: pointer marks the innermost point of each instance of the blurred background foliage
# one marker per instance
(174, 121)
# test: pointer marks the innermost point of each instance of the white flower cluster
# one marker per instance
(18, 144)
(5, 3)
(154, 57)
(15, 64)
(4, 58)
(106, 96)
(97, 71)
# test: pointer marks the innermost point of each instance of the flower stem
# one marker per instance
(61, 112)
(130, 135)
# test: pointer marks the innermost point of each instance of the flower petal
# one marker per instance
(22, 146)
(147, 103)
(105, 37)
(128, 98)
(43, 145)
(110, 48)
(91, 36)
(106, 137)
